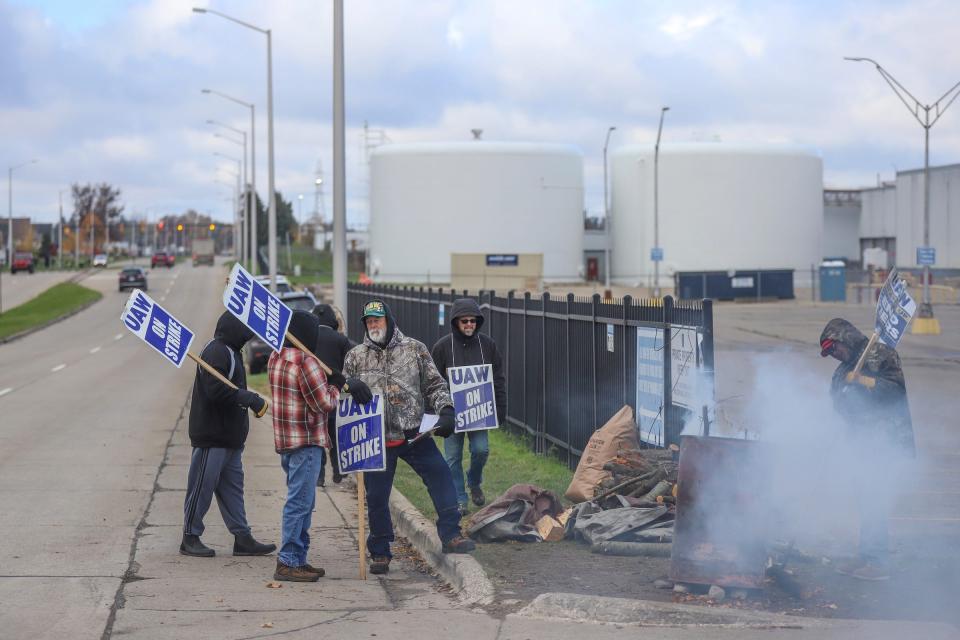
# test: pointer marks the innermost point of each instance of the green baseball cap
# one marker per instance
(374, 308)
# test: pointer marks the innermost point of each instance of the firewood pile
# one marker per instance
(644, 477)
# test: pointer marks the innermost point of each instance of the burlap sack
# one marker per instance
(619, 433)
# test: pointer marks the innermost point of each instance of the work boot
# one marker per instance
(476, 494)
(294, 574)
(246, 545)
(337, 477)
(379, 564)
(317, 570)
(871, 573)
(459, 544)
(191, 546)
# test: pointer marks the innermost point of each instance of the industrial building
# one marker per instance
(506, 200)
(721, 207)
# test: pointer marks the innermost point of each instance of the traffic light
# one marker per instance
(213, 227)
(160, 225)
(179, 227)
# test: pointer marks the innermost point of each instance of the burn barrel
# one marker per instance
(720, 533)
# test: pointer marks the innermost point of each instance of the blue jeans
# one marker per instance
(302, 468)
(424, 458)
(479, 452)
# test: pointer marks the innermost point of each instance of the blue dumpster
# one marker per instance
(833, 281)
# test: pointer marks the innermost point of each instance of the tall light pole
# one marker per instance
(925, 322)
(272, 209)
(60, 234)
(606, 213)
(300, 218)
(238, 174)
(250, 239)
(657, 251)
(339, 167)
(10, 171)
(239, 235)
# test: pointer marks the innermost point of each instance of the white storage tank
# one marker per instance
(428, 200)
(721, 207)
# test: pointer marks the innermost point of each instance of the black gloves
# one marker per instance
(444, 426)
(359, 390)
(252, 401)
(336, 379)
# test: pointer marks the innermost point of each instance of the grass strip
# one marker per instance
(59, 300)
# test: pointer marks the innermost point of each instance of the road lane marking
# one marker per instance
(95, 349)
(58, 368)
(4, 392)
(119, 336)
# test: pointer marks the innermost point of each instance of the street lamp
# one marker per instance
(10, 219)
(300, 216)
(925, 322)
(272, 210)
(237, 175)
(339, 166)
(250, 239)
(238, 236)
(606, 212)
(657, 252)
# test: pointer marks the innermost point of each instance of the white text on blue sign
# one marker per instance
(256, 307)
(360, 435)
(151, 323)
(473, 397)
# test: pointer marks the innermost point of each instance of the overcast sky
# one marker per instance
(110, 90)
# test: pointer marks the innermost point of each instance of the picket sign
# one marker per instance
(171, 338)
(474, 404)
(264, 313)
(361, 446)
(895, 309)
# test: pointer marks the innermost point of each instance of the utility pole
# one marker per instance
(606, 213)
(339, 167)
(657, 251)
(60, 235)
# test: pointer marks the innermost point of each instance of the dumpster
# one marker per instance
(751, 284)
(833, 281)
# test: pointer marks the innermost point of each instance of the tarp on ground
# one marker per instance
(513, 515)
(629, 524)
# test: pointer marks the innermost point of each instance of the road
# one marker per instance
(87, 413)
(21, 287)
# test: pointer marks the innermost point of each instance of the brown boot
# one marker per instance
(294, 574)
(317, 570)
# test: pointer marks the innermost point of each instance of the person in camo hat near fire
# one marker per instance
(401, 370)
(465, 345)
(874, 405)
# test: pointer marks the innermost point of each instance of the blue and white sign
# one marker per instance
(154, 325)
(650, 385)
(926, 256)
(360, 439)
(895, 308)
(256, 307)
(656, 254)
(502, 260)
(473, 399)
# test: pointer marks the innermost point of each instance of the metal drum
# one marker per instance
(720, 533)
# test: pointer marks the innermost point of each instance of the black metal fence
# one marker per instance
(570, 363)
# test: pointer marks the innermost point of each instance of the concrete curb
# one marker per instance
(41, 327)
(461, 571)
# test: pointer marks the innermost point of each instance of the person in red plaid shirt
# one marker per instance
(302, 397)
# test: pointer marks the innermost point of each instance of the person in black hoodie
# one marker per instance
(332, 347)
(218, 430)
(465, 345)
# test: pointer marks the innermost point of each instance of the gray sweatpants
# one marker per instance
(215, 471)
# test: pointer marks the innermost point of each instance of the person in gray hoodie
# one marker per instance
(465, 345)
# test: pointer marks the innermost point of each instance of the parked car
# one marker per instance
(133, 277)
(283, 285)
(100, 260)
(257, 351)
(162, 259)
(22, 262)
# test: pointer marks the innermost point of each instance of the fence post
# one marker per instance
(542, 426)
(595, 301)
(509, 355)
(523, 368)
(668, 312)
(569, 420)
(627, 301)
(707, 346)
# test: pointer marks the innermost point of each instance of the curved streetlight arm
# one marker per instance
(217, 134)
(217, 123)
(917, 106)
(230, 18)
(248, 105)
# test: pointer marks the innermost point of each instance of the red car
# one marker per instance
(162, 259)
(22, 262)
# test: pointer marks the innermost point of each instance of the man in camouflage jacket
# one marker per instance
(402, 371)
(874, 405)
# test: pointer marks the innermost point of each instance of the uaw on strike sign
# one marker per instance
(360, 438)
(154, 325)
(256, 307)
(895, 308)
(473, 399)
